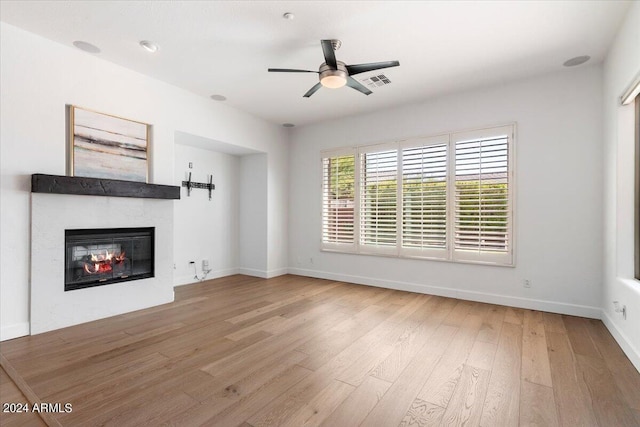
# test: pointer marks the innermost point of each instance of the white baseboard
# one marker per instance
(16, 330)
(629, 350)
(277, 272)
(190, 279)
(532, 304)
(264, 274)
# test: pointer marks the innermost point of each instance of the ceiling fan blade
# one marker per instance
(353, 83)
(363, 68)
(329, 54)
(312, 90)
(289, 70)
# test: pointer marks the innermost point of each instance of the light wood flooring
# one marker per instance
(296, 351)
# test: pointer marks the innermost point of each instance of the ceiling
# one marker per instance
(225, 47)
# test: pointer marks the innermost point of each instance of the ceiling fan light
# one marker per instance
(333, 82)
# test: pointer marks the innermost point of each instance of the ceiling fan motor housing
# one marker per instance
(333, 78)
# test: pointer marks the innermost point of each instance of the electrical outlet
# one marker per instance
(527, 283)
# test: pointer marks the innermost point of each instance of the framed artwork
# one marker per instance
(106, 146)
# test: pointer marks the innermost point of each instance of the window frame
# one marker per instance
(335, 246)
(449, 253)
(637, 190)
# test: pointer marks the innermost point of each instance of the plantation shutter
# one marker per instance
(378, 200)
(338, 200)
(424, 198)
(482, 205)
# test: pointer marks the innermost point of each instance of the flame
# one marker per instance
(102, 263)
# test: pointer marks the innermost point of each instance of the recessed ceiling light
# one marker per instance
(288, 125)
(218, 97)
(87, 47)
(149, 46)
(578, 60)
(289, 16)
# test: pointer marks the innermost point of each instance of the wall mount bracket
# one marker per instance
(205, 185)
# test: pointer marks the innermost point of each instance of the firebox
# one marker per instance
(96, 257)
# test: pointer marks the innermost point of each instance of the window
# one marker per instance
(447, 197)
(378, 185)
(338, 198)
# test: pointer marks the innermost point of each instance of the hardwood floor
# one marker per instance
(297, 351)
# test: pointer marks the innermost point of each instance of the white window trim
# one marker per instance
(449, 254)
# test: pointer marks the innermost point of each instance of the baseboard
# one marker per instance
(264, 274)
(629, 350)
(190, 279)
(16, 330)
(532, 304)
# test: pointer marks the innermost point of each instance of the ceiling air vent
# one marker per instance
(376, 81)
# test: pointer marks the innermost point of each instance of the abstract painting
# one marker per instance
(105, 146)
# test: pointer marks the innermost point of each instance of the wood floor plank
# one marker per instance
(537, 405)
(553, 323)
(320, 406)
(458, 314)
(396, 402)
(492, 324)
(442, 382)
(286, 405)
(622, 370)
(514, 315)
(31, 398)
(250, 404)
(578, 333)
(293, 350)
(406, 349)
(384, 338)
(10, 393)
(605, 398)
(501, 406)
(348, 331)
(482, 354)
(358, 404)
(465, 406)
(535, 358)
(422, 414)
(573, 404)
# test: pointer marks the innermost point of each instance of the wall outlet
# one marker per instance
(205, 265)
(526, 283)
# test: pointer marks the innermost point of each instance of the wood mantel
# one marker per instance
(56, 184)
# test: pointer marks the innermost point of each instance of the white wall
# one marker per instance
(558, 194)
(206, 229)
(37, 78)
(253, 210)
(621, 65)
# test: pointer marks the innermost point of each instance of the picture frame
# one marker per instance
(107, 146)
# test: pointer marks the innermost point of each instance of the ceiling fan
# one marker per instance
(334, 74)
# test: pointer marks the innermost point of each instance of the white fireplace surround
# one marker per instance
(52, 214)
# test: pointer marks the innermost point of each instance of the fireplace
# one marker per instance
(96, 257)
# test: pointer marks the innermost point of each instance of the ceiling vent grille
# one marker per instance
(376, 81)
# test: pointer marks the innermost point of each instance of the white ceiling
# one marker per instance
(225, 47)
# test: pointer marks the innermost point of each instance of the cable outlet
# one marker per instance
(619, 309)
(526, 283)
